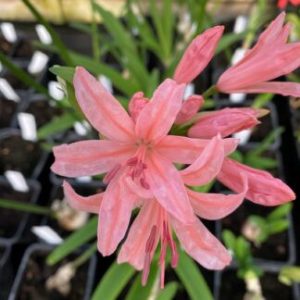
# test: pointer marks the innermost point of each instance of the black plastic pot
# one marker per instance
(228, 286)
(27, 282)
(5, 271)
(14, 222)
(17, 154)
(8, 109)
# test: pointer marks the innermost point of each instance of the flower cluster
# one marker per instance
(140, 157)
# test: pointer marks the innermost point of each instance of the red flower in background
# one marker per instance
(283, 3)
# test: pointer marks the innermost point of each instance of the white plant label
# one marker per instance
(47, 234)
(55, 90)
(238, 55)
(7, 90)
(106, 82)
(9, 32)
(243, 136)
(43, 34)
(84, 179)
(237, 97)
(38, 62)
(17, 181)
(189, 91)
(82, 128)
(240, 24)
(28, 126)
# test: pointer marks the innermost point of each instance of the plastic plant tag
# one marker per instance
(17, 181)
(189, 91)
(243, 136)
(38, 62)
(81, 128)
(9, 32)
(28, 126)
(84, 179)
(106, 82)
(47, 234)
(240, 24)
(7, 90)
(237, 97)
(55, 90)
(43, 34)
(237, 55)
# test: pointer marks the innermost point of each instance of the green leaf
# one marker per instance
(264, 163)
(73, 242)
(62, 49)
(289, 275)
(280, 212)
(25, 207)
(237, 155)
(192, 279)
(169, 292)
(229, 239)
(113, 282)
(262, 100)
(22, 75)
(228, 40)
(137, 291)
(278, 226)
(66, 73)
(56, 125)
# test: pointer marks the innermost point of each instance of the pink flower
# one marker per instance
(154, 223)
(270, 58)
(283, 3)
(136, 150)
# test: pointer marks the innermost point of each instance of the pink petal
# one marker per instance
(263, 189)
(114, 215)
(103, 111)
(215, 206)
(198, 54)
(224, 122)
(189, 109)
(168, 188)
(158, 116)
(206, 167)
(89, 157)
(184, 150)
(136, 104)
(200, 244)
(275, 87)
(133, 249)
(89, 204)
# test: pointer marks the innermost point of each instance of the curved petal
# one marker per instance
(224, 122)
(89, 157)
(189, 108)
(114, 215)
(133, 249)
(198, 54)
(168, 188)
(263, 188)
(184, 150)
(216, 206)
(137, 104)
(200, 244)
(275, 87)
(103, 111)
(90, 204)
(157, 117)
(206, 167)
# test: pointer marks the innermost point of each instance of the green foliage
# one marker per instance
(242, 254)
(289, 275)
(263, 227)
(192, 279)
(73, 242)
(113, 282)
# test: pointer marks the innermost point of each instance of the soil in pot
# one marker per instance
(233, 288)
(15, 83)
(262, 130)
(33, 284)
(5, 46)
(19, 155)
(43, 111)
(10, 219)
(24, 50)
(7, 110)
(275, 248)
